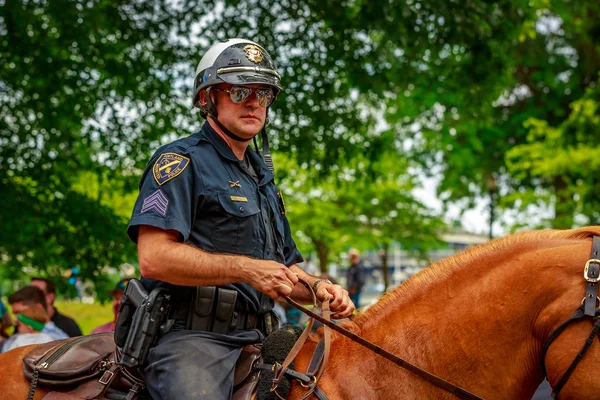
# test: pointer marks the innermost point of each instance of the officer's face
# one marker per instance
(245, 119)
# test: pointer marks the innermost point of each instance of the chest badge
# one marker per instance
(168, 166)
(235, 184)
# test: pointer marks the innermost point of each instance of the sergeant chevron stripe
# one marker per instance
(157, 201)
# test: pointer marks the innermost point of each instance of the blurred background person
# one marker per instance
(66, 324)
(355, 277)
(31, 323)
(117, 295)
(31, 297)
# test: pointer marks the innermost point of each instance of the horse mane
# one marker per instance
(442, 269)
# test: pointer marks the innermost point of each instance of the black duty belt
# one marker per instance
(213, 310)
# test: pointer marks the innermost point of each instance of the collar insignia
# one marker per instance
(253, 53)
(168, 166)
(235, 184)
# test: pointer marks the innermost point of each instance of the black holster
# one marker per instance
(143, 319)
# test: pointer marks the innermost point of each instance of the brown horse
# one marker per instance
(479, 320)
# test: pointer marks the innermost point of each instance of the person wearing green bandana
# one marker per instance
(31, 299)
(30, 325)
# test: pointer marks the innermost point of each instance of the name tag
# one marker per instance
(239, 198)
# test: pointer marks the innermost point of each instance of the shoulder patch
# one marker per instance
(168, 166)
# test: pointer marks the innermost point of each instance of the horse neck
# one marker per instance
(479, 325)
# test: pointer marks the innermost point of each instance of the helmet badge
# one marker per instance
(253, 53)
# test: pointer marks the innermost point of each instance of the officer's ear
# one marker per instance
(203, 97)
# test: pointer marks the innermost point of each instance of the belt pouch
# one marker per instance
(224, 310)
(200, 316)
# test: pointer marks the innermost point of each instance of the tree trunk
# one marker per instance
(323, 254)
(492, 213)
(492, 186)
(384, 265)
(564, 205)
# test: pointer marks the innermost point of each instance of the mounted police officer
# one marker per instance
(210, 226)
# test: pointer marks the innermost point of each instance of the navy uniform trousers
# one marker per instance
(198, 365)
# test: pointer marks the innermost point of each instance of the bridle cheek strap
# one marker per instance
(319, 360)
(586, 311)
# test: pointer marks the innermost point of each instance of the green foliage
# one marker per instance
(87, 316)
(361, 204)
(89, 89)
(563, 160)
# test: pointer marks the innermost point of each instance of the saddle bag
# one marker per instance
(87, 363)
(68, 362)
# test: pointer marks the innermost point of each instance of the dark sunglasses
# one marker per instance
(239, 94)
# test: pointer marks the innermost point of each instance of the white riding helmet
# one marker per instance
(237, 62)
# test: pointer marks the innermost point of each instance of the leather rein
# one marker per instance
(319, 358)
(586, 311)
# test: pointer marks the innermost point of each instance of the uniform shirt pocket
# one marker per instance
(236, 228)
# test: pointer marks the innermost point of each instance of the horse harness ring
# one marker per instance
(586, 311)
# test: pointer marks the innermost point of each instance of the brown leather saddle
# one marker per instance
(85, 367)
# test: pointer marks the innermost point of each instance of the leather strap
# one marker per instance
(591, 273)
(595, 332)
(315, 368)
(279, 370)
(577, 315)
(317, 357)
(587, 310)
(326, 312)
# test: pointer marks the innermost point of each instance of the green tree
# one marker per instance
(562, 161)
(95, 87)
(388, 212)
(507, 144)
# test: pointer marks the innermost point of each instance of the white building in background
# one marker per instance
(403, 263)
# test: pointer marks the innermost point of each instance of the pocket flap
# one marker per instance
(240, 206)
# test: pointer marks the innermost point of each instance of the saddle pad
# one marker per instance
(69, 361)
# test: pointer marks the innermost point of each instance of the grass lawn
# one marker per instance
(87, 316)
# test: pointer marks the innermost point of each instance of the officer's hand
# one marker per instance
(271, 278)
(339, 302)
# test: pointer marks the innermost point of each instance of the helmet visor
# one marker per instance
(267, 77)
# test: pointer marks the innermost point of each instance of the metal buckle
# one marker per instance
(106, 377)
(586, 270)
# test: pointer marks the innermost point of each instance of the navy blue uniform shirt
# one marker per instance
(198, 187)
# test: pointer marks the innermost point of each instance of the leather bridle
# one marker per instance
(586, 311)
(318, 361)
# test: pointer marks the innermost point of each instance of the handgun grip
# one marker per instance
(135, 292)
